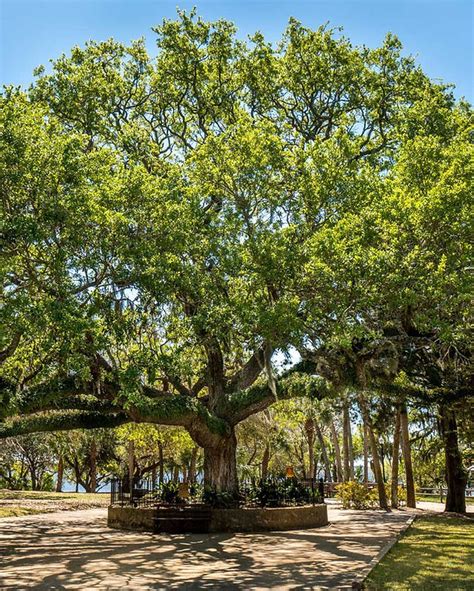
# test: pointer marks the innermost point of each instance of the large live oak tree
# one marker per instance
(166, 223)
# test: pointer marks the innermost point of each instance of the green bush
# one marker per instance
(280, 492)
(169, 493)
(47, 483)
(220, 499)
(355, 495)
(402, 494)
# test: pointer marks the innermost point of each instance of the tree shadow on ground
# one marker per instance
(82, 554)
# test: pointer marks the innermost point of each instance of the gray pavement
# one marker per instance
(76, 550)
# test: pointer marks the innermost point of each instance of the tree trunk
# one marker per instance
(347, 441)
(220, 465)
(337, 451)
(161, 470)
(324, 452)
(395, 459)
(309, 428)
(176, 473)
(351, 450)
(366, 454)
(456, 476)
(131, 464)
(375, 454)
(192, 465)
(406, 448)
(59, 482)
(93, 467)
(265, 462)
(77, 473)
(301, 455)
(34, 482)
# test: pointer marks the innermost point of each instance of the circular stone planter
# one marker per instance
(248, 519)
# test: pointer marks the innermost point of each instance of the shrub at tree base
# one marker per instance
(281, 492)
(270, 492)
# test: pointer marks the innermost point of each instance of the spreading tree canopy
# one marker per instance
(169, 223)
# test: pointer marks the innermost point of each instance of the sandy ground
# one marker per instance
(76, 550)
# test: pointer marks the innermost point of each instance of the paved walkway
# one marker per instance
(76, 550)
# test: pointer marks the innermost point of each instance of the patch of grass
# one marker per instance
(26, 502)
(436, 552)
(18, 511)
(38, 495)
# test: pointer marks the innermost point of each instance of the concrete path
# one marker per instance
(76, 550)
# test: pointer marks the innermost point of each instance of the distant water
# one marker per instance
(71, 487)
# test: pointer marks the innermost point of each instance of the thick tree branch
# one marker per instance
(260, 396)
(247, 375)
(182, 411)
(178, 386)
(61, 421)
(199, 385)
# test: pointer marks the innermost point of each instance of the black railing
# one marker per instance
(147, 492)
(272, 492)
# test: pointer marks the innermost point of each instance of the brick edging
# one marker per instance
(358, 582)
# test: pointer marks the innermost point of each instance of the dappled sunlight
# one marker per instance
(78, 551)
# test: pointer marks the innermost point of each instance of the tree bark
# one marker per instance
(60, 478)
(309, 428)
(131, 464)
(34, 481)
(192, 465)
(406, 448)
(351, 450)
(395, 460)
(175, 473)
(265, 462)
(302, 459)
(337, 452)
(161, 460)
(77, 473)
(456, 476)
(375, 454)
(324, 452)
(347, 440)
(220, 465)
(366, 454)
(93, 466)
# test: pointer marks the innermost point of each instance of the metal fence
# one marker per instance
(148, 492)
(271, 492)
(441, 492)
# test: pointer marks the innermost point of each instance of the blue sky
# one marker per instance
(438, 32)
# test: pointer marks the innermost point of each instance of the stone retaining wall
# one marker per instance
(140, 518)
(229, 520)
(276, 518)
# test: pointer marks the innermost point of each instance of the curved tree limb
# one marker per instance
(61, 421)
(247, 375)
(261, 396)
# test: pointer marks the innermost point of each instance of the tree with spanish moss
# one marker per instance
(160, 215)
